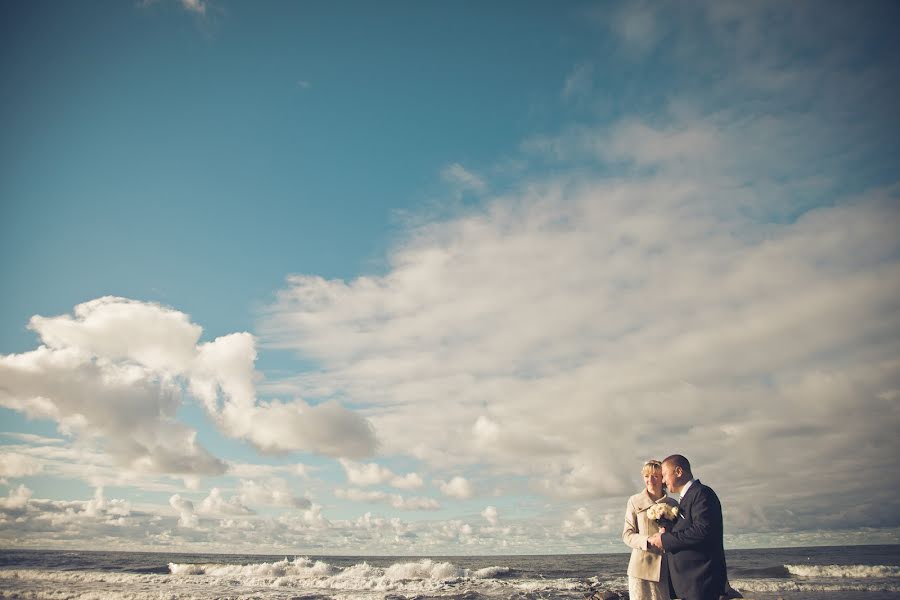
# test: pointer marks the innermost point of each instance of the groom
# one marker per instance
(693, 545)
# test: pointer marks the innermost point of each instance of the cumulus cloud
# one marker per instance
(584, 524)
(271, 492)
(80, 461)
(130, 407)
(395, 500)
(457, 487)
(34, 520)
(576, 326)
(15, 465)
(31, 521)
(374, 474)
(216, 504)
(114, 372)
(185, 510)
(410, 481)
(99, 505)
(491, 515)
(16, 500)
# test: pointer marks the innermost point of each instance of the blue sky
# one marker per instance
(437, 278)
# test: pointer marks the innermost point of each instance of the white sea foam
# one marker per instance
(788, 585)
(844, 571)
(490, 572)
(303, 577)
(302, 568)
(299, 576)
(419, 576)
(326, 575)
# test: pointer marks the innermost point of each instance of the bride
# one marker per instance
(647, 578)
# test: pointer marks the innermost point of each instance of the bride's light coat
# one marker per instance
(646, 561)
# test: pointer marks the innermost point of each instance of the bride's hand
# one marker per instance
(662, 530)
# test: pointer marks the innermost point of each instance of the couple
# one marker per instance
(677, 549)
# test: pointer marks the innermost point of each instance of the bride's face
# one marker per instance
(653, 481)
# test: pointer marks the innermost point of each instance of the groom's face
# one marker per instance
(671, 477)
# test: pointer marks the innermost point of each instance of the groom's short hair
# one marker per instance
(677, 460)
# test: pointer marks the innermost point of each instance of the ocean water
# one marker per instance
(828, 573)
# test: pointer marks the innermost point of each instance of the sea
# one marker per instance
(828, 573)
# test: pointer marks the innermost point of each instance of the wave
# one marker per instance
(843, 571)
(304, 568)
(418, 576)
(306, 578)
(301, 577)
(298, 567)
(787, 585)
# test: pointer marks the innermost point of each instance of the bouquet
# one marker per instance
(663, 511)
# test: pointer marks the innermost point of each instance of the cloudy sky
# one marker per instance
(431, 278)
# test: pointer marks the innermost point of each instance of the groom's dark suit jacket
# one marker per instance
(693, 547)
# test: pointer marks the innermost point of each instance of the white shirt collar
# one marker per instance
(684, 489)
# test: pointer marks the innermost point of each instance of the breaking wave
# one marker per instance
(298, 577)
(421, 575)
(783, 585)
(310, 579)
(823, 578)
(843, 571)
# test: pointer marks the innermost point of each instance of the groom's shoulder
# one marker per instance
(706, 490)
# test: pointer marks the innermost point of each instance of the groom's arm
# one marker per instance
(706, 511)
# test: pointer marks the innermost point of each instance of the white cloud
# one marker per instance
(272, 492)
(83, 462)
(16, 465)
(30, 438)
(365, 474)
(491, 515)
(555, 323)
(185, 510)
(27, 516)
(414, 503)
(374, 474)
(99, 505)
(462, 178)
(584, 524)
(410, 481)
(396, 500)
(672, 146)
(114, 372)
(130, 407)
(457, 487)
(216, 504)
(195, 6)
(16, 500)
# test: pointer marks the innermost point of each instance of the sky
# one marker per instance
(430, 278)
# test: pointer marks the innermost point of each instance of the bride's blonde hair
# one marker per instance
(651, 466)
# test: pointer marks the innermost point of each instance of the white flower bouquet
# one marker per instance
(662, 511)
